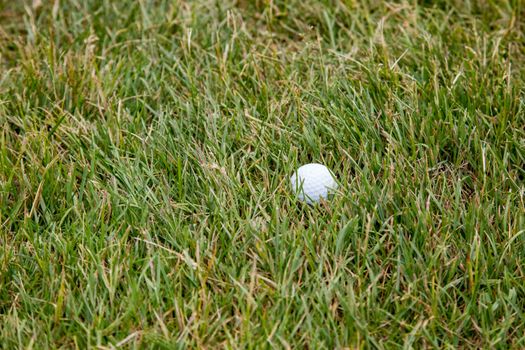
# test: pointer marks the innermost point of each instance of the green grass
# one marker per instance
(145, 153)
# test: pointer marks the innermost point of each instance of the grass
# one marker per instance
(145, 153)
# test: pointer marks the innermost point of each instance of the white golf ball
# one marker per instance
(313, 182)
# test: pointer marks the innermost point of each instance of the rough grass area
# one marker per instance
(145, 154)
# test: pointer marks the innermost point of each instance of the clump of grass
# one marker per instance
(144, 162)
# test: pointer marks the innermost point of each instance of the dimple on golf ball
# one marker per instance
(313, 182)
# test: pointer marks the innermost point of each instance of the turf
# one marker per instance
(145, 154)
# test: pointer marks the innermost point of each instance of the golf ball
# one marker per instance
(313, 182)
